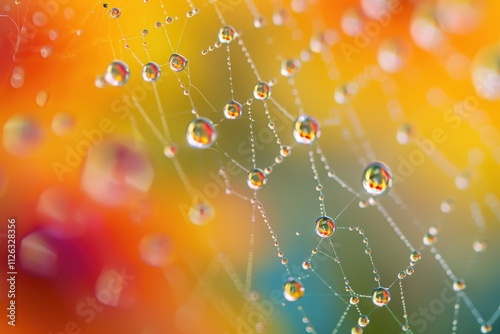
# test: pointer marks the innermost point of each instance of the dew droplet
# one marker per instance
(393, 54)
(201, 213)
(262, 91)
(376, 179)
(21, 135)
(306, 130)
(479, 246)
(324, 227)
(227, 34)
(259, 22)
(256, 178)
(115, 13)
(381, 297)
(357, 330)
(293, 290)
(117, 73)
(354, 300)
(486, 328)
(363, 320)
(306, 265)
(447, 205)
(415, 256)
(285, 150)
(289, 67)
(177, 62)
(170, 150)
(151, 72)
(169, 20)
(429, 239)
(485, 71)
(201, 133)
(458, 285)
(63, 123)
(156, 250)
(233, 110)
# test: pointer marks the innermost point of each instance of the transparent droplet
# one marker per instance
(363, 320)
(306, 265)
(447, 205)
(262, 91)
(169, 20)
(285, 150)
(158, 24)
(46, 51)
(201, 133)
(415, 256)
(354, 300)
(151, 72)
(256, 178)
(405, 328)
(342, 94)
(227, 34)
(424, 28)
(177, 62)
(115, 12)
(393, 54)
(381, 297)
(376, 9)
(41, 98)
(306, 130)
(486, 328)
(479, 246)
(485, 71)
(459, 285)
(22, 135)
(233, 110)
(293, 290)
(201, 213)
(289, 67)
(170, 150)
(324, 227)
(259, 22)
(462, 181)
(357, 330)
(429, 239)
(352, 22)
(377, 179)
(117, 73)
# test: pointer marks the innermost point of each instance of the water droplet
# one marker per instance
(289, 67)
(405, 328)
(41, 98)
(226, 34)
(363, 320)
(115, 13)
(324, 227)
(352, 22)
(462, 181)
(479, 246)
(342, 94)
(151, 72)
(259, 22)
(354, 300)
(233, 110)
(256, 178)
(169, 20)
(46, 51)
(306, 130)
(306, 265)
(415, 256)
(262, 91)
(485, 70)
(381, 297)
(429, 239)
(117, 73)
(177, 62)
(447, 205)
(63, 123)
(486, 328)
(170, 150)
(377, 179)
(459, 285)
(357, 330)
(201, 213)
(21, 135)
(393, 54)
(201, 133)
(424, 28)
(459, 16)
(293, 290)
(285, 150)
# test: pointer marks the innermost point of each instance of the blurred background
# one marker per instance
(117, 234)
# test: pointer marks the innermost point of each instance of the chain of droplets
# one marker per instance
(406, 326)
(252, 136)
(319, 187)
(456, 311)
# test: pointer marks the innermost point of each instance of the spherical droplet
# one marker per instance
(306, 129)
(22, 135)
(424, 28)
(306, 265)
(429, 239)
(357, 330)
(405, 134)
(233, 110)
(151, 72)
(354, 300)
(324, 227)
(376, 179)
(415, 256)
(458, 285)
(256, 178)
(479, 246)
(486, 328)
(201, 133)
(447, 205)
(285, 150)
(117, 73)
(289, 67)
(363, 320)
(170, 150)
(226, 34)
(393, 54)
(293, 290)
(381, 297)
(459, 16)
(169, 20)
(156, 250)
(201, 213)
(63, 123)
(177, 62)
(115, 13)
(262, 91)
(485, 71)
(259, 22)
